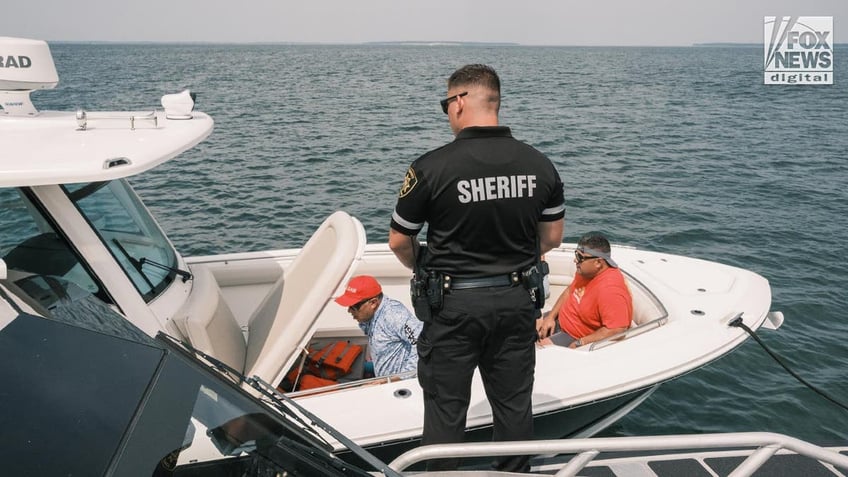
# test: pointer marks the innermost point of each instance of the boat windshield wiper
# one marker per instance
(138, 263)
(282, 401)
(238, 378)
(182, 273)
(134, 262)
(287, 406)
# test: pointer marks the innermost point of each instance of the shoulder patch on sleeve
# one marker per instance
(409, 183)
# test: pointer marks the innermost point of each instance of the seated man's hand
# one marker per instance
(544, 342)
(545, 325)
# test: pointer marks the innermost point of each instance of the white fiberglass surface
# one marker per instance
(51, 148)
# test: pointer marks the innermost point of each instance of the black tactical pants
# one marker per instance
(493, 329)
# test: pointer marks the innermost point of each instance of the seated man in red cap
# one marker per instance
(596, 305)
(391, 328)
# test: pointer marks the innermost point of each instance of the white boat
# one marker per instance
(73, 227)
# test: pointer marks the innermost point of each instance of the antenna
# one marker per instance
(25, 66)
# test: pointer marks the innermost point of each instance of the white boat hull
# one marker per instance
(699, 298)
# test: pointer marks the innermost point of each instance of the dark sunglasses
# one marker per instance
(445, 102)
(357, 306)
(580, 258)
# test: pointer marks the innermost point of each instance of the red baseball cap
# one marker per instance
(361, 287)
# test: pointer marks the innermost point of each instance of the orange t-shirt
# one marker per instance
(602, 301)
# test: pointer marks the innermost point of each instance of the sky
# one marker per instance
(527, 22)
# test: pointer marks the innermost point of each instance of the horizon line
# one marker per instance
(408, 43)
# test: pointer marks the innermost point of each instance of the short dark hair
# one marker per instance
(595, 241)
(478, 75)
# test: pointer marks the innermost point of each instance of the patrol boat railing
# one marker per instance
(756, 447)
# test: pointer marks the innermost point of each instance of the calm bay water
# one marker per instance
(679, 150)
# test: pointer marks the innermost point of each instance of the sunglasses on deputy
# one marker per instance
(445, 102)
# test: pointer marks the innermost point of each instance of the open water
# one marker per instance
(679, 150)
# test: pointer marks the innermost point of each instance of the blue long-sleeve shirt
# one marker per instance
(392, 336)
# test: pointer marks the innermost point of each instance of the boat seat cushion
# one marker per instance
(644, 307)
(208, 323)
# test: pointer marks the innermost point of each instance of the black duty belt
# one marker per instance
(509, 280)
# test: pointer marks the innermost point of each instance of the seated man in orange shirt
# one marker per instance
(596, 305)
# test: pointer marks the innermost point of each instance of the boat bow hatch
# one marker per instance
(676, 273)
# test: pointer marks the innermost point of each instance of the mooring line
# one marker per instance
(737, 322)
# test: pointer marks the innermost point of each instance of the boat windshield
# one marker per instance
(236, 431)
(129, 404)
(37, 256)
(129, 231)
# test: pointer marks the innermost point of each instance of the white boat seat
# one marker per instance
(284, 321)
(645, 308)
(237, 275)
(208, 323)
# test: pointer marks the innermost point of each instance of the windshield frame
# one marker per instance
(139, 245)
(39, 247)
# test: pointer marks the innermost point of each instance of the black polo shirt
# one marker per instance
(482, 196)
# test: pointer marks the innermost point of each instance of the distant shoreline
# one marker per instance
(434, 43)
(441, 43)
(727, 45)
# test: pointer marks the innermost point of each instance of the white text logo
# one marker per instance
(798, 50)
